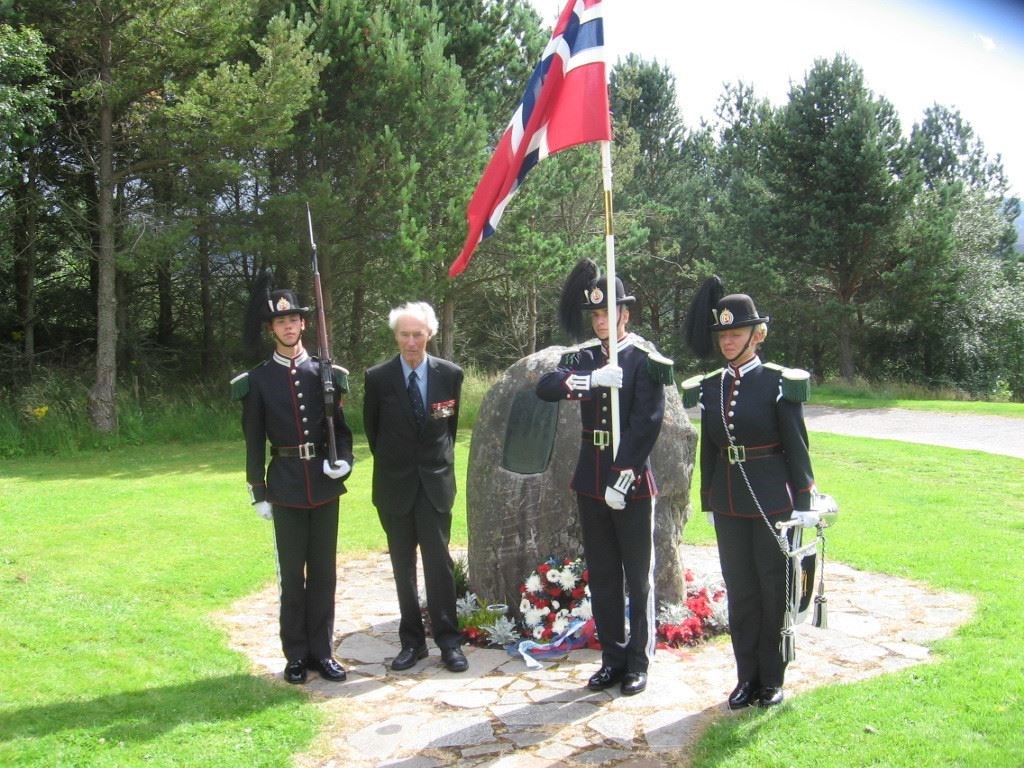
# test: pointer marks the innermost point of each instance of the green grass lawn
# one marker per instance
(912, 398)
(112, 563)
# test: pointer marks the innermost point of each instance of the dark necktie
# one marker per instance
(416, 399)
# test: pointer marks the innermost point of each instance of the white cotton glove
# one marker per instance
(608, 376)
(807, 519)
(264, 509)
(340, 469)
(614, 499)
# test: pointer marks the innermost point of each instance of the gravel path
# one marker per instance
(991, 434)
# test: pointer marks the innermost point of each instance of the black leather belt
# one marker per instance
(740, 453)
(304, 451)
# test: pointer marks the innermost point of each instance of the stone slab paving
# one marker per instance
(502, 715)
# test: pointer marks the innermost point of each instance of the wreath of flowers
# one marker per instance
(555, 594)
(703, 614)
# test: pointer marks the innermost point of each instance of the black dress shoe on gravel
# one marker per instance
(743, 695)
(295, 672)
(408, 657)
(329, 669)
(454, 659)
(605, 677)
(633, 683)
(770, 697)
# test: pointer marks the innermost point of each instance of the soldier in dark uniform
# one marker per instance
(283, 404)
(755, 471)
(615, 493)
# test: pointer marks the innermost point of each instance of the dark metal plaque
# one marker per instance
(530, 434)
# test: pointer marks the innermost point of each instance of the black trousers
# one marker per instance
(618, 546)
(754, 569)
(307, 549)
(425, 526)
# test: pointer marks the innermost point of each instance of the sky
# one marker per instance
(966, 55)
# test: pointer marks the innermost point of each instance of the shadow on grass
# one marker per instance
(144, 715)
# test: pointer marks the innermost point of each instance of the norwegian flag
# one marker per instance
(566, 103)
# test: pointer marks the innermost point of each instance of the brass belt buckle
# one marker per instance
(307, 451)
(737, 454)
(602, 438)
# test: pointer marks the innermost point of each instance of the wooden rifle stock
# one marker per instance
(324, 351)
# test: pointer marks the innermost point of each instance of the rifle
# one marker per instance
(324, 351)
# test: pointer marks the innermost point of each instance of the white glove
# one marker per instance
(608, 376)
(614, 499)
(340, 469)
(807, 519)
(264, 509)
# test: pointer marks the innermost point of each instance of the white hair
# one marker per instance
(418, 309)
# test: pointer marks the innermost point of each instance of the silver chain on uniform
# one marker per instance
(780, 538)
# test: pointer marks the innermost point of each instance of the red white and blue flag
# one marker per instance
(566, 103)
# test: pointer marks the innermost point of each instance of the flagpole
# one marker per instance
(609, 252)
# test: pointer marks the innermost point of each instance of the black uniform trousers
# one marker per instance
(755, 570)
(307, 548)
(426, 526)
(617, 544)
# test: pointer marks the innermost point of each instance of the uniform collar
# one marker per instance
(744, 369)
(288, 362)
(624, 342)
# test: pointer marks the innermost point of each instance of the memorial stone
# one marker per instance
(519, 505)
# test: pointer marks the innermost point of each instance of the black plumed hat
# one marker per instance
(584, 289)
(266, 304)
(710, 311)
(701, 315)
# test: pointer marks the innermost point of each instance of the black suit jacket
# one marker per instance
(405, 455)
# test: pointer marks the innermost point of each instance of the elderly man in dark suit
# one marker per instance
(411, 415)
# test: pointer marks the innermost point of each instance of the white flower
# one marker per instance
(534, 616)
(583, 610)
(554, 605)
(533, 584)
(538, 632)
(558, 625)
(553, 576)
(567, 579)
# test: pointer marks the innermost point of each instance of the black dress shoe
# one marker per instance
(744, 695)
(605, 677)
(295, 672)
(633, 683)
(454, 659)
(329, 669)
(769, 696)
(408, 657)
